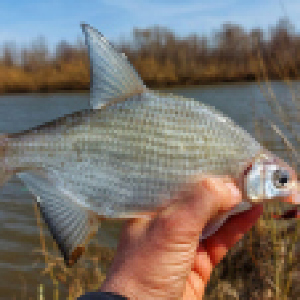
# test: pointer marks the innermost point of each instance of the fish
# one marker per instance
(130, 152)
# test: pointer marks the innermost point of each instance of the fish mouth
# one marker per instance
(293, 213)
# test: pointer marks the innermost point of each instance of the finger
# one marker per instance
(202, 264)
(211, 252)
(188, 215)
(218, 244)
(133, 229)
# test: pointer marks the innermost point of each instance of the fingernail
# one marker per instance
(234, 191)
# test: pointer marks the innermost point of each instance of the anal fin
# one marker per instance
(70, 224)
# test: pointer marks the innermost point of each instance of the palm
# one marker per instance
(160, 257)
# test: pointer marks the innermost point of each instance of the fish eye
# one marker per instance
(281, 178)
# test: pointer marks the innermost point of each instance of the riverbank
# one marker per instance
(162, 59)
(65, 77)
(76, 78)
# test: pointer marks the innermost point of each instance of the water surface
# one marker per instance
(19, 235)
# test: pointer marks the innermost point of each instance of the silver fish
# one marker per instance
(126, 155)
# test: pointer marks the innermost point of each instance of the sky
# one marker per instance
(24, 20)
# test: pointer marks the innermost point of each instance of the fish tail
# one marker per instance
(5, 171)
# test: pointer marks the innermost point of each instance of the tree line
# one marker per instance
(161, 57)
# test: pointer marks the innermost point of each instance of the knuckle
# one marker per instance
(213, 185)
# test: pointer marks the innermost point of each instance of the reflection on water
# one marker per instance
(19, 235)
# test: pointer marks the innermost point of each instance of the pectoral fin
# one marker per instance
(70, 224)
(215, 224)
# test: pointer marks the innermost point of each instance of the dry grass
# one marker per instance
(69, 76)
(69, 283)
(263, 265)
(161, 57)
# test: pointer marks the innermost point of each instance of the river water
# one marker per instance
(19, 235)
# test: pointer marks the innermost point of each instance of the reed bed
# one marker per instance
(160, 56)
(69, 283)
(263, 265)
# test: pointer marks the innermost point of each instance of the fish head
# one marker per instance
(267, 177)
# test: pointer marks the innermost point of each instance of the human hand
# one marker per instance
(161, 257)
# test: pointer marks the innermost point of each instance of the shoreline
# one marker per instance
(24, 90)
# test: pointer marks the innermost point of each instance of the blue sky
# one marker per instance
(24, 20)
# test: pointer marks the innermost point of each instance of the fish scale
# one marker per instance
(108, 154)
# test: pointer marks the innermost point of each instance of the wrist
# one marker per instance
(122, 285)
(131, 288)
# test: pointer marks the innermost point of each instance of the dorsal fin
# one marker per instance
(112, 76)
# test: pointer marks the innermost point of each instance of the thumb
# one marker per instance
(170, 239)
(184, 220)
